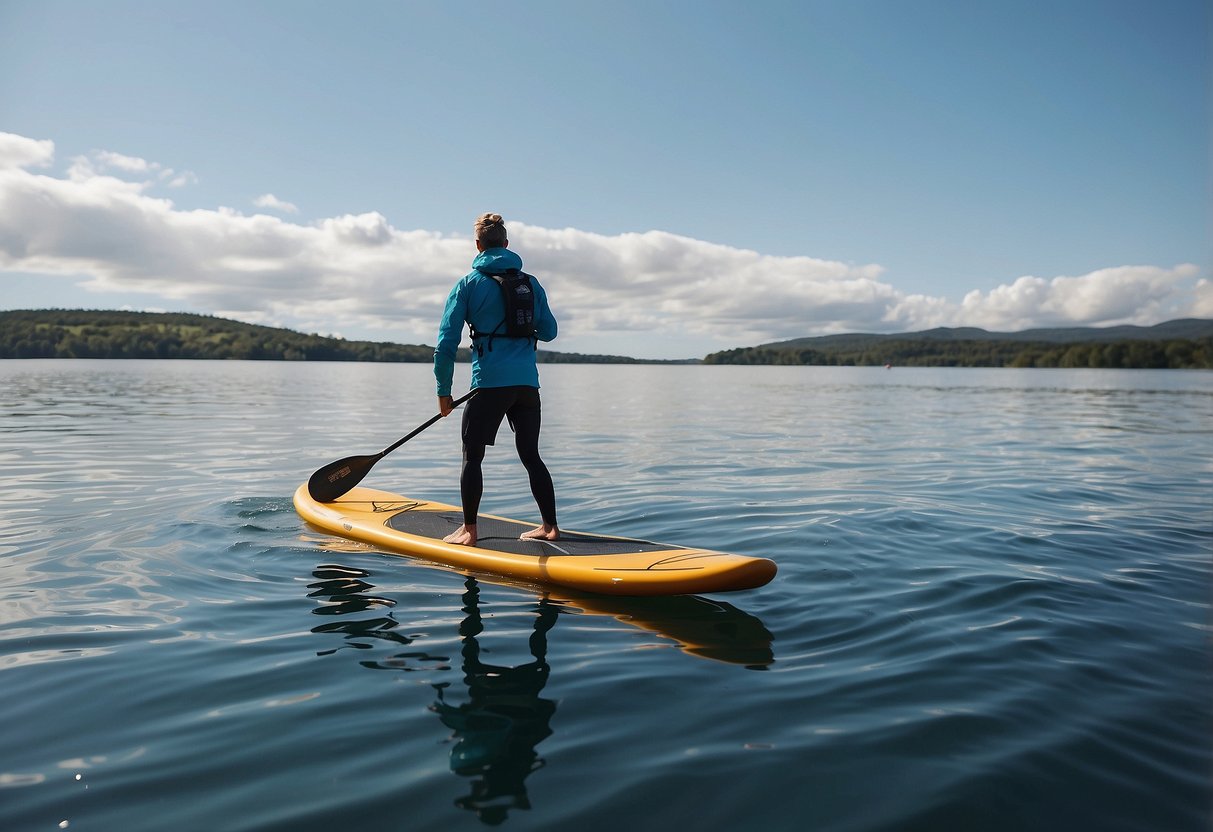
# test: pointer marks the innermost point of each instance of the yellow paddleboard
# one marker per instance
(588, 562)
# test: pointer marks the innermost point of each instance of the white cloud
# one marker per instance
(178, 180)
(275, 204)
(1202, 306)
(131, 164)
(1121, 295)
(359, 273)
(19, 152)
(118, 164)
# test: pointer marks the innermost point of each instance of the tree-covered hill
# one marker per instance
(1181, 329)
(58, 333)
(106, 334)
(75, 333)
(1180, 344)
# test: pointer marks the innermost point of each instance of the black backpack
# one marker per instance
(519, 298)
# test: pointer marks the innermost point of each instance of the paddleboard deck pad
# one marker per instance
(588, 562)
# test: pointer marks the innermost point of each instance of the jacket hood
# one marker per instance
(497, 261)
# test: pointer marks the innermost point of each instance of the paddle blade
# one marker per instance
(336, 478)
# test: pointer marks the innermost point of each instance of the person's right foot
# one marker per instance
(541, 533)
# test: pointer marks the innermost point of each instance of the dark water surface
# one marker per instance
(992, 611)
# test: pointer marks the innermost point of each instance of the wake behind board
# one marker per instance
(588, 562)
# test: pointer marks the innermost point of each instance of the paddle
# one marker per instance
(336, 478)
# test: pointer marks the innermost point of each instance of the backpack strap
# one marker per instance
(477, 336)
(534, 337)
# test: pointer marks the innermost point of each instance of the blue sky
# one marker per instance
(682, 177)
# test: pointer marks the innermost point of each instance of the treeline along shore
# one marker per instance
(1180, 344)
(57, 333)
(73, 333)
(1177, 354)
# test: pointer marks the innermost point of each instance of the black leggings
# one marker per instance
(481, 419)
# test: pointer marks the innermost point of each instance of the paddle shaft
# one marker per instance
(422, 427)
(336, 478)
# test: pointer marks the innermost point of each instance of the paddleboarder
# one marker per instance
(507, 311)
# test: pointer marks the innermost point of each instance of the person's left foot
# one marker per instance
(463, 536)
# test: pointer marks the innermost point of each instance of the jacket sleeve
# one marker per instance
(450, 332)
(545, 321)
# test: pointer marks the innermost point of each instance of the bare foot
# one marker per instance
(544, 532)
(465, 535)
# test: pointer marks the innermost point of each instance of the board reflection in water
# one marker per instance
(497, 715)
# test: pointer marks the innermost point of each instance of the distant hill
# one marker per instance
(1179, 344)
(76, 333)
(1182, 328)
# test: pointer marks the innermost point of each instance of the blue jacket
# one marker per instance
(476, 300)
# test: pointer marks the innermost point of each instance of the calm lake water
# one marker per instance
(992, 610)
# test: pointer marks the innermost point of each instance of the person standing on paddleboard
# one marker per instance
(504, 374)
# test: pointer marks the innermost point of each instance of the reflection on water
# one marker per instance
(502, 717)
(707, 628)
(347, 593)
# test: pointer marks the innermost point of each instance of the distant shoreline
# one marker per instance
(79, 333)
(104, 334)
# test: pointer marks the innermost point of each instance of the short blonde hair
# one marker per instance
(490, 230)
